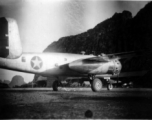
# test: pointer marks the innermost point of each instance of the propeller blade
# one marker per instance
(129, 54)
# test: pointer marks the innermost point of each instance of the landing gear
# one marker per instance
(109, 83)
(55, 85)
(96, 85)
(109, 86)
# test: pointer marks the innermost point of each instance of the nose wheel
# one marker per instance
(109, 86)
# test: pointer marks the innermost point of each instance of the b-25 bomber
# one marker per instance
(94, 68)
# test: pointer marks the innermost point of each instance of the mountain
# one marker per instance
(17, 81)
(120, 33)
(104, 37)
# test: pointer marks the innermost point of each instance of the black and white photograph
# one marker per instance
(75, 59)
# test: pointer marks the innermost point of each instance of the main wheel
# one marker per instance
(96, 85)
(55, 85)
(109, 87)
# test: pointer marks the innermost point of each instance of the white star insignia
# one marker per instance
(36, 63)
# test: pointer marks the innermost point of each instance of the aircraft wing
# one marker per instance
(129, 54)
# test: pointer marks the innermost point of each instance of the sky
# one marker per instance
(41, 22)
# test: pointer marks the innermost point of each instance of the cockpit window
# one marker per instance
(23, 59)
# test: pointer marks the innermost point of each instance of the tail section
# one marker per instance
(10, 44)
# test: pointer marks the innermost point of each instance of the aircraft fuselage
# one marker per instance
(46, 64)
(58, 64)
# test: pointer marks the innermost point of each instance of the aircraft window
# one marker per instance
(65, 59)
(56, 65)
(23, 59)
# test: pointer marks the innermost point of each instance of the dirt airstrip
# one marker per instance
(76, 104)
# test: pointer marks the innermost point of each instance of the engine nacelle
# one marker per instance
(10, 44)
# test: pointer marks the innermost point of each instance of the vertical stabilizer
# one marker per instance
(10, 44)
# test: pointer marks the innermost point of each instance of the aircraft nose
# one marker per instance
(118, 67)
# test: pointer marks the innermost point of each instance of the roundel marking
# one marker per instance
(36, 63)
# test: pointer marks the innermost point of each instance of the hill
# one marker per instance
(17, 81)
(120, 33)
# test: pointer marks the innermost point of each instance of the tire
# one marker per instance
(55, 85)
(109, 87)
(96, 85)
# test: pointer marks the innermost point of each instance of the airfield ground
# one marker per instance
(75, 104)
